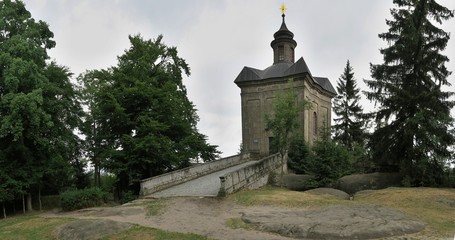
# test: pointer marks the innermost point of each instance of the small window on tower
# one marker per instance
(280, 53)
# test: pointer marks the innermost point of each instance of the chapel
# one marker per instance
(260, 87)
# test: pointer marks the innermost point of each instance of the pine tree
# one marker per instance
(349, 124)
(414, 125)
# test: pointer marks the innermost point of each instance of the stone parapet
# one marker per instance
(158, 183)
(250, 177)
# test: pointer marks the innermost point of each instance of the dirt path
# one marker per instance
(208, 216)
(204, 216)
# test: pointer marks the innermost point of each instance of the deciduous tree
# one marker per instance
(141, 122)
(283, 122)
(38, 108)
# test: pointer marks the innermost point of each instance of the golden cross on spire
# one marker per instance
(283, 8)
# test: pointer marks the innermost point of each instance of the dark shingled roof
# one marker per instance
(280, 70)
(325, 83)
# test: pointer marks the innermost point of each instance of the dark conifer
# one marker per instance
(348, 126)
(414, 126)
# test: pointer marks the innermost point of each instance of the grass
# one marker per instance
(29, 227)
(428, 205)
(238, 223)
(139, 232)
(36, 228)
(155, 207)
(424, 204)
(435, 207)
(279, 197)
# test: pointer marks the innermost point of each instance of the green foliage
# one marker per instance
(29, 227)
(349, 127)
(39, 107)
(360, 159)
(299, 155)
(450, 179)
(414, 131)
(127, 196)
(48, 202)
(283, 122)
(139, 232)
(329, 161)
(155, 207)
(238, 223)
(108, 182)
(140, 122)
(77, 199)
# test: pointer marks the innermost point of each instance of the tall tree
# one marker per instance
(37, 107)
(414, 125)
(141, 122)
(349, 125)
(283, 122)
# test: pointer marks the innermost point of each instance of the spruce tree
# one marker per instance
(348, 126)
(414, 129)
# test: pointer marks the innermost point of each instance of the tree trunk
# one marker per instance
(29, 202)
(282, 170)
(23, 203)
(95, 173)
(4, 210)
(39, 198)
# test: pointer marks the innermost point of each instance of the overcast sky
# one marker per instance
(218, 38)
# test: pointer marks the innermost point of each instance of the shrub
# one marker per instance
(298, 155)
(329, 162)
(361, 162)
(127, 196)
(77, 199)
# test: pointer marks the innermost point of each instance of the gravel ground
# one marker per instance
(207, 185)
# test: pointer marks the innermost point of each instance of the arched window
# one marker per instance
(315, 123)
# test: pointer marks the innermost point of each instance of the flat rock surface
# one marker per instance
(336, 222)
(90, 229)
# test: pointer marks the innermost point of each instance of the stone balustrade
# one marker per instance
(158, 183)
(252, 176)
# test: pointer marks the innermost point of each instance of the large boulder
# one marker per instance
(358, 182)
(90, 229)
(298, 182)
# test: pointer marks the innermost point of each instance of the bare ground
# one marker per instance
(204, 216)
(201, 215)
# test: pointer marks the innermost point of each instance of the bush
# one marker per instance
(361, 162)
(108, 182)
(298, 155)
(127, 196)
(77, 199)
(329, 162)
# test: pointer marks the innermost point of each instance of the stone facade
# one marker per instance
(260, 87)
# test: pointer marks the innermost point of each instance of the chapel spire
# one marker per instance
(284, 44)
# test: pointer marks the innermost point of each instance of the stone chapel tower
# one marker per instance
(259, 88)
